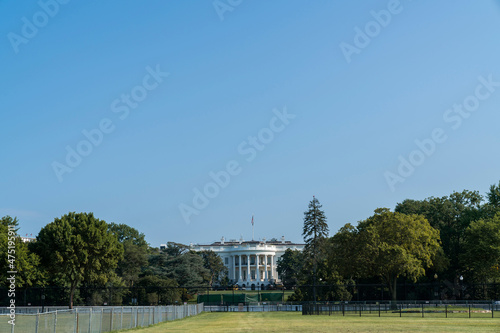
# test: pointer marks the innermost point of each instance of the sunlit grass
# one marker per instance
(296, 322)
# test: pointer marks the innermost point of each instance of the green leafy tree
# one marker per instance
(395, 245)
(213, 262)
(346, 247)
(135, 252)
(289, 267)
(176, 262)
(188, 269)
(315, 232)
(451, 215)
(492, 207)
(27, 264)
(494, 195)
(156, 290)
(481, 256)
(78, 248)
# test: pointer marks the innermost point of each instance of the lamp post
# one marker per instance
(436, 287)
(461, 287)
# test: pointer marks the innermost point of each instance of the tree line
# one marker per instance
(83, 255)
(450, 238)
(439, 238)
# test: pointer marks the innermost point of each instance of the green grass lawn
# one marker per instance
(295, 322)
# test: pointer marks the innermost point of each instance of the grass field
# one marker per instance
(295, 322)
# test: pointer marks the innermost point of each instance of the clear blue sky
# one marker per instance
(228, 71)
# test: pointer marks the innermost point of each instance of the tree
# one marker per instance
(156, 290)
(314, 232)
(135, 252)
(26, 263)
(346, 247)
(451, 215)
(481, 256)
(494, 195)
(492, 207)
(395, 245)
(213, 262)
(78, 248)
(289, 267)
(188, 270)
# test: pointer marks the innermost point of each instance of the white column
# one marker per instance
(239, 267)
(257, 276)
(248, 268)
(265, 272)
(272, 267)
(234, 268)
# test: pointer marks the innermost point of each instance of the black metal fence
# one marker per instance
(149, 296)
(435, 309)
(405, 292)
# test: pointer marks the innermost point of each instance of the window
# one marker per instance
(226, 261)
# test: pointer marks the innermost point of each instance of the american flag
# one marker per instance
(252, 219)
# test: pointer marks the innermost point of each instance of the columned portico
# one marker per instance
(253, 262)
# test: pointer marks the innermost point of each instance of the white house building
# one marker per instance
(251, 263)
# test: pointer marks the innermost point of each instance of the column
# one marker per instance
(265, 272)
(239, 267)
(272, 267)
(257, 276)
(248, 268)
(234, 268)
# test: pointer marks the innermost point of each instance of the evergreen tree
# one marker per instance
(315, 232)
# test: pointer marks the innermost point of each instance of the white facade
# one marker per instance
(251, 263)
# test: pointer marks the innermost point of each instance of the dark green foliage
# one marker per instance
(451, 215)
(213, 262)
(26, 263)
(135, 252)
(78, 248)
(178, 263)
(289, 267)
(157, 291)
(481, 257)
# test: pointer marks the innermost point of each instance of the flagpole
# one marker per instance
(252, 229)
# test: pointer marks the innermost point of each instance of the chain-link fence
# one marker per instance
(95, 320)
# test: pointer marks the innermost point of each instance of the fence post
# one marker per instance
(121, 319)
(379, 309)
(446, 310)
(90, 320)
(55, 322)
(102, 320)
(469, 310)
(38, 320)
(422, 310)
(111, 319)
(76, 320)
